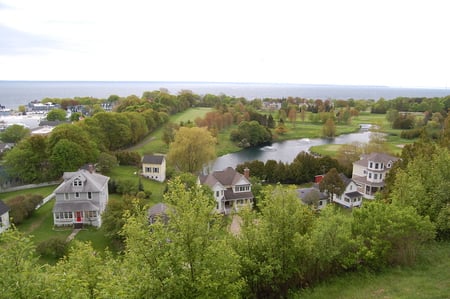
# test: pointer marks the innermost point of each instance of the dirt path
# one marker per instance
(235, 226)
(141, 144)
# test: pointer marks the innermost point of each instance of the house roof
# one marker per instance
(153, 159)
(345, 179)
(92, 182)
(354, 194)
(304, 192)
(67, 206)
(375, 157)
(230, 195)
(363, 180)
(157, 209)
(3, 208)
(227, 177)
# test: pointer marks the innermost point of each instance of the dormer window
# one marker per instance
(77, 182)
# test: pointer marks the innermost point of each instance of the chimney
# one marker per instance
(91, 168)
(246, 173)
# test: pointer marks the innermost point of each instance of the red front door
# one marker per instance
(78, 216)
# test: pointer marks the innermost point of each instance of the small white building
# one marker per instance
(4, 217)
(350, 197)
(154, 167)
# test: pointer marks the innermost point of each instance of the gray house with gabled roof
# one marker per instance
(4, 217)
(81, 199)
(231, 189)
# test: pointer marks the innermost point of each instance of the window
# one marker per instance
(370, 165)
(389, 165)
(217, 193)
(148, 169)
(376, 165)
(351, 187)
(77, 182)
(375, 176)
(66, 196)
(242, 188)
(89, 195)
(77, 194)
(92, 214)
(155, 169)
(370, 175)
(381, 176)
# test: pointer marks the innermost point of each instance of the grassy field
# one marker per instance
(429, 278)
(154, 143)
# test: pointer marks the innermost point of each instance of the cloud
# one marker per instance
(16, 42)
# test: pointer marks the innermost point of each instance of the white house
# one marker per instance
(4, 217)
(81, 199)
(350, 197)
(231, 189)
(370, 172)
(154, 167)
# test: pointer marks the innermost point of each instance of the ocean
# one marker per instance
(15, 93)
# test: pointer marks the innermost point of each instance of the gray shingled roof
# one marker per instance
(376, 157)
(152, 159)
(227, 177)
(3, 208)
(92, 182)
(230, 195)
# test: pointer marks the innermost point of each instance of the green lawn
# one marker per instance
(429, 278)
(155, 144)
(44, 191)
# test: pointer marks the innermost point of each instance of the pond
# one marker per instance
(284, 151)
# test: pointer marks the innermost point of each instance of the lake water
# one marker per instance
(15, 93)
(284, 151)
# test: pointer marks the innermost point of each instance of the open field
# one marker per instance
(154, 143)
(429, 278)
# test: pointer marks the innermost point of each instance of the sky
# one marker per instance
(358, 42)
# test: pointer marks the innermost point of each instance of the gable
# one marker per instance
(91, 182)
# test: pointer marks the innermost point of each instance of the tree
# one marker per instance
(66, 156)
(274, 247)
(332, 184)
(292, 115)
(329, 128)
(20, 276)
(425, 185)
(14, 133)
(251, 134)
(188, 257)
(106, 162)
(57, 114)
(391, 116)
(28, 160)
(192, 149)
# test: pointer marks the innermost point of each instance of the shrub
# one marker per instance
(23, 206)
(54, 247)
(128, 158)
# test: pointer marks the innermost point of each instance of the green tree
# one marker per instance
(66, 156)
(189, 257)
(389, 234)
(332, 184)
(21, 276)
(28, 160)
(106, 162)
(192, 149)
(329, 128)
(274, 247)
(57, 114)
(392, 115)
(425, 185)
(14, 133)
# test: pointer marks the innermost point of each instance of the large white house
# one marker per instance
(370, 172)
(231, 189)
(4, 217)
(81, 199)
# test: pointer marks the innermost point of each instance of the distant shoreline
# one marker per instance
(16, 93)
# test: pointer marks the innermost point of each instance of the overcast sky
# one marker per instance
(395, 43)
